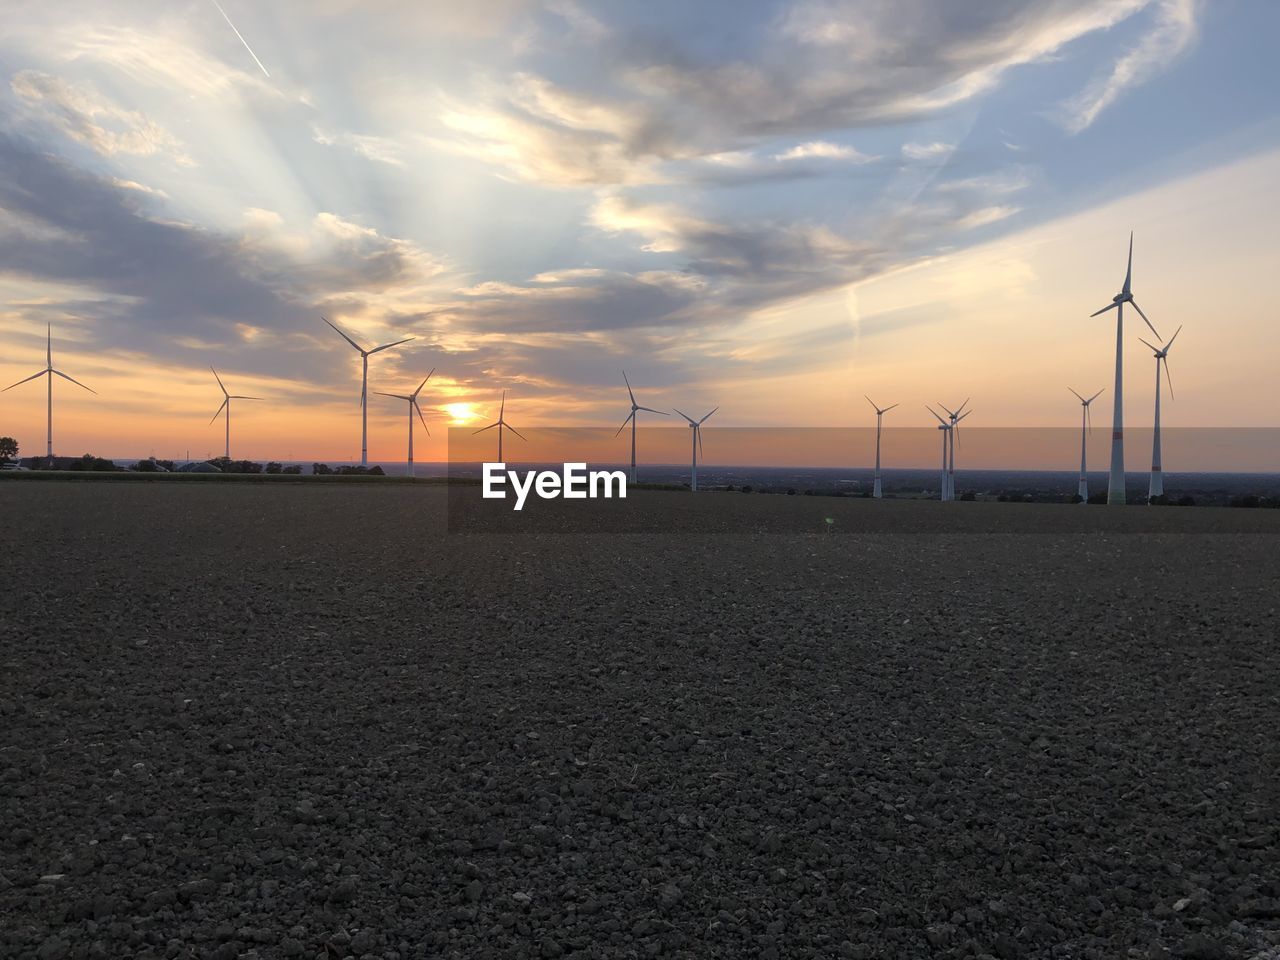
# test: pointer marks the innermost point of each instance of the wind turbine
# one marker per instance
(500, 423)
(631, 417)
(413, 407)
(364, 386)
(1086, 426)
(1156, 489)
(955, 416)
(696, 427)
(1115, 485)
(945, 427)
(879, 413)
(49, 372)
(226, 403)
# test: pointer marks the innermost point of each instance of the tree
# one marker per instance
(8, 449)
(91, 463)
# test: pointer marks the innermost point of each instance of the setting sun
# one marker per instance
(460, 413)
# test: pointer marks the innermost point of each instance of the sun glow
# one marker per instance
(460, 413)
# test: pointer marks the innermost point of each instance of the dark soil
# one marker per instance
(306, 721)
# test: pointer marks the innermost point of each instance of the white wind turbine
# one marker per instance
(876, 491)
(1156, 489)
(696, 427)
(49, 372)
(631, 418)
(500, 423)
(364, 386)
(1086, 426)
(945, 427)
(226, 404)
(412, 398)
(955, 416)
(1115, 484)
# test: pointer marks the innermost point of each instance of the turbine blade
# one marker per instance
(887, 409)
(503, 407)
(1173, 338)
(950, 412)
(1153, 349)
(32, 377)
(698, 431)
(1128, 273)
(630, 417)
(1144, 317)
(873, 405)
(515, 431)
(424, 382)
(414, 402)
(1111, 306)
(1078, 397)
(935, 415)
(1088, 418)
(661, 413)
(1096, 395)
(225, 401)
(344, 336)
(237, 397)
(707, 417)
(1168, 377)
(398, 396)
(72, 379)
(629, 392)
(219, 379)
(483, 429)
(388, 346)
(685, 415)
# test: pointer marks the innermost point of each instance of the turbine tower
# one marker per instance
(945, 427)
(500, 423)
(413, 408)
(696, 427)
(1086, 426)
(1156, 489)
(1115, 485)
(226, 404)
(49, 372)
(955, 416)
(364, 386)
(876, 491)
(631, 418)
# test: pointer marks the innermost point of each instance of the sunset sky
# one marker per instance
(773, 207)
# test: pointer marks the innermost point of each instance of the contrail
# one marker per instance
(242, 39)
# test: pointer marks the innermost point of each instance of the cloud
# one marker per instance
(1174, 30)
(927, 151)
(379, 149)
(833, 65)
(1001, 183)
(88, 117)
(752, 263)
(821, 149)
(985, 216)
(158, 281)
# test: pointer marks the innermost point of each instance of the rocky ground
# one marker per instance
(247, 721)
